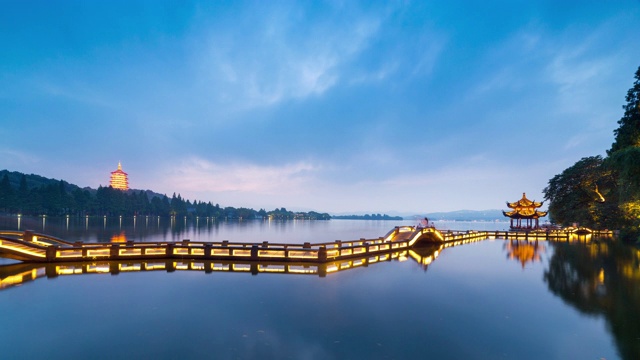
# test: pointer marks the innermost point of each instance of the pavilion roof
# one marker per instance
(524, 203)
(525, 214)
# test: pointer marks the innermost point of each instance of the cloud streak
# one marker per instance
(200, 175)
(281, 64)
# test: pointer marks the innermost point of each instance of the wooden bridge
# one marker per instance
(19, 273)
(16, 274)
(402, 243)
(34, 247)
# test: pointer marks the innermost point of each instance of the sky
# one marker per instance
(394, 107)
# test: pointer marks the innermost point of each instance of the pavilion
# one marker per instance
(524, 209)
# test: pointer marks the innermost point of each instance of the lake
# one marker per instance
(489, 299)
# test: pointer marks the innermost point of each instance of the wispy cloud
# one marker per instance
(200, 175)
(273, 63)
(16, 159)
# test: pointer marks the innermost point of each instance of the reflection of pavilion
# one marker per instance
(524, 251)
(527, 210)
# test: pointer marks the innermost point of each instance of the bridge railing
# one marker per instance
(40, 247)
(66, 251)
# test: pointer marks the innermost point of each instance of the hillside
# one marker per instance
(36, 195)
(36, 181)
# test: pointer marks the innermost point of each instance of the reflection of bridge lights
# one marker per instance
(18, 279)
(129, 267)
(98, 268)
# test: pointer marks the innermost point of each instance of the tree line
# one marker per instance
(604, 192)
(57, 198)
(367, 217)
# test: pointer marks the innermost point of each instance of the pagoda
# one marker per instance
(119, 179)
(527, 210)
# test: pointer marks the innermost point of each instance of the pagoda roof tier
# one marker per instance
(119, 170)
(525, 214)
(524, 203)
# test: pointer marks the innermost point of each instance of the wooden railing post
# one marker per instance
(254, 252)
(52, 250)
(27, 236)
(322, 253)
(169, 250)
(114, 251)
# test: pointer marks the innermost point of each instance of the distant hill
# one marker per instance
(39, 195)
(33, 181)
(36, 181)
(366, 217)
(468, 215)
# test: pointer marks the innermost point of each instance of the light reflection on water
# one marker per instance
(482, 300)
(166, 229)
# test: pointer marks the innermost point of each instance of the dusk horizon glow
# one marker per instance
(400, 107)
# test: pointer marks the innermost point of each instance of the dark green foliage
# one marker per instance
(628, 134)
(624, 159)
(7, 195)
(575, 195)
(600, 278)
(626, 162)
(617, 178)
(36, 195)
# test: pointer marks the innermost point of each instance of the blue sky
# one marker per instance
(338, 106)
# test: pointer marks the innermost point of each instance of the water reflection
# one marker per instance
(524, 251)
(20, 273)
(425, 255)
(119, 238)
(601, 278)
(103, 229)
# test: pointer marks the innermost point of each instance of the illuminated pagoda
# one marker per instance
(119, 179)
(527, 210)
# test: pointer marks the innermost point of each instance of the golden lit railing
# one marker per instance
(17, 274)
(29, 246)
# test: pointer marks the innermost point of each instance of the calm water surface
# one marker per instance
(491, 299)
